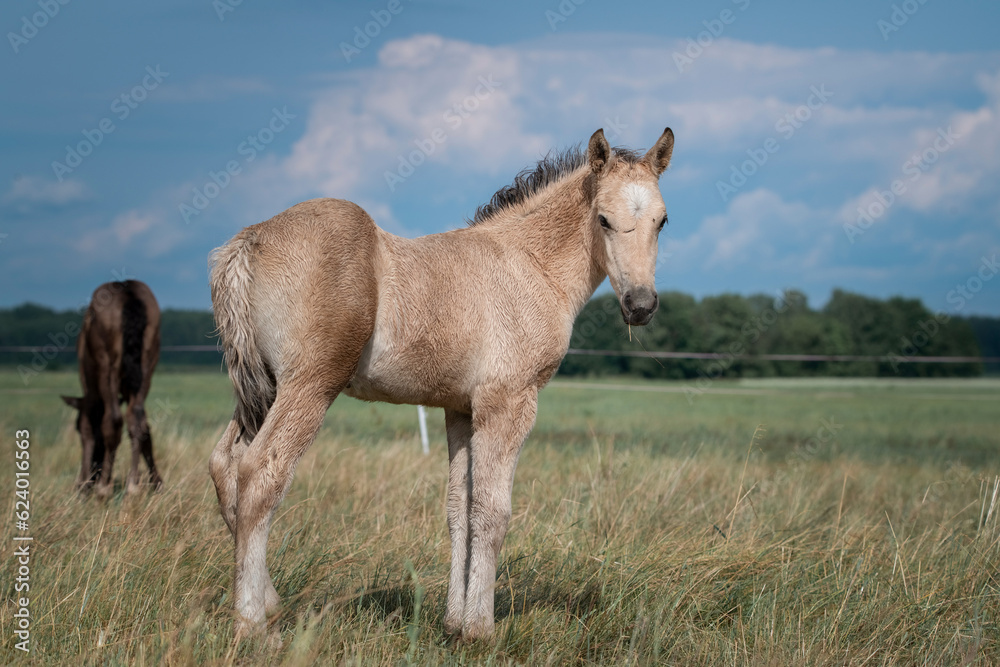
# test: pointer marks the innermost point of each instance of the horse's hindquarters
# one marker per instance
(312, 291)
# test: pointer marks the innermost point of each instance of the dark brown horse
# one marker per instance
(118, 348)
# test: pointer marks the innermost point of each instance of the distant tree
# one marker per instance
(598, 327)
(987, 333)
(188, 327)
(869, 330)
(917, 332)
(37, 326)
(803, 331)
(673, 329)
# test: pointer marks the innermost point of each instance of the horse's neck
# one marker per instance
(555, 230)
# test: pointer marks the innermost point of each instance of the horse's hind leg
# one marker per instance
(132, 481)
(142, 443)
(223, 467)
(264, 473)
(146, 445)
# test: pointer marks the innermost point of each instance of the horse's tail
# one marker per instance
(134, 322)
(254, 381)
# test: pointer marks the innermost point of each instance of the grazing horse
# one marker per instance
(318, 300)
(118, 348)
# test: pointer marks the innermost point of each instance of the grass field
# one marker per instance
(758, 523)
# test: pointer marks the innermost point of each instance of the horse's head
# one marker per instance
(628, 214)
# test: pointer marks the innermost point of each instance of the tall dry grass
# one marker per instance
(777, 547)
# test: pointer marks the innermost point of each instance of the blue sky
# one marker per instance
(198, 118)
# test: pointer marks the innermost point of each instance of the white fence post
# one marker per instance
(422, 414)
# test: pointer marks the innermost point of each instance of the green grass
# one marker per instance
(857, 525)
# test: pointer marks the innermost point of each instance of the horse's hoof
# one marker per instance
(257, 636)
(272, 601)
(477, 632)
(249, 629)
(453, 627)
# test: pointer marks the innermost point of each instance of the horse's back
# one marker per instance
(141, 292)
(312, 222)
(120, 331)
(109, 302)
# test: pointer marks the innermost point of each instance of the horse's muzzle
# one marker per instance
(638, 306)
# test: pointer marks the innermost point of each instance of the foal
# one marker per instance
(118, 348)
(318, 300)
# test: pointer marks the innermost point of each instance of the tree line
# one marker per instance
(733, 325)
(32, 325)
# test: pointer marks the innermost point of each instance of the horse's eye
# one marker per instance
(604, 222)
(662, 223)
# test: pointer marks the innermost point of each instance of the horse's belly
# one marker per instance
(369, 385)
(370, 389)
(399, 375)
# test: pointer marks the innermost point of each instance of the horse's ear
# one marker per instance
(72, 401)
(598, 152)
(658, 157)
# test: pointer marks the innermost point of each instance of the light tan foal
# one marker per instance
(318, 300)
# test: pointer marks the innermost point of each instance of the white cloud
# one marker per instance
(724, 121)
(947, 165)
(32, 190)
(144, 233)
(453, 102)
(759, 231)
(130, 224)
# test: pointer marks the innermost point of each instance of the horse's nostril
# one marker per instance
(627, 301)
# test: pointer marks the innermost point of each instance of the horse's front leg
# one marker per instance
(111, 427)
(459, 427)
(86, 479)
(500, 425)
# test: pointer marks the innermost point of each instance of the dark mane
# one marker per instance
(531, 180)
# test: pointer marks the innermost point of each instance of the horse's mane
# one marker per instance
(531, 180)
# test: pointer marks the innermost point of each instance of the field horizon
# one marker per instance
(752, 522)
